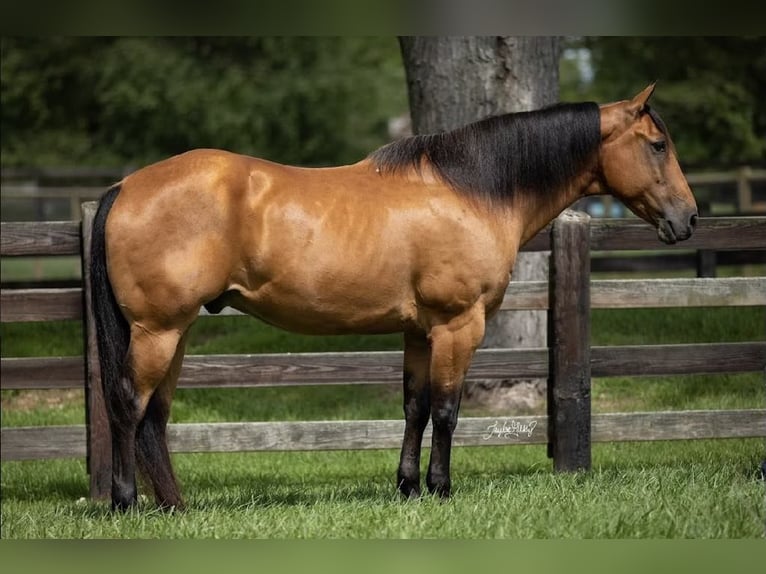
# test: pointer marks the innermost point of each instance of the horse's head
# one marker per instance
(640, 167)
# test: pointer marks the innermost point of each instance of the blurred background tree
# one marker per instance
(327, 100)
(711, 91)
(118, 101)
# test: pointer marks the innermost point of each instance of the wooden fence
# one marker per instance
(569, 361)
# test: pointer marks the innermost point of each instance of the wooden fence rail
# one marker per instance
(271, 370)
(27, 443)
(569, 361)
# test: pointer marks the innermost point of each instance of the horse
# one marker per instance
(419, 238)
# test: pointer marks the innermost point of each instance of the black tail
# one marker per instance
(112, 330)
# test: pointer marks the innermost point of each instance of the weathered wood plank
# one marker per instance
(701, 358)
(569, 343)
(711, 233)
(697, 292)
(29, 305)
(679, 425)
(385, 367)
(345, 435)
(228, 371)
(40, 443)
(706, 178)
(342, 368)
(39, 238)
(42, 373)
(641, 293)
(289, 368)
(25, 443)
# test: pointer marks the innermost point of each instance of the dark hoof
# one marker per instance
(409, 489)
(123, 504)
(439, 488)
(124, 496)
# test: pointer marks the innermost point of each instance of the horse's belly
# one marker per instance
(328, 311)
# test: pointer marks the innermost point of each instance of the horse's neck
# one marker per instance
(533, 211)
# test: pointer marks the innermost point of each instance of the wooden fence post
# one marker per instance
(569, 425)
(99, 443)
(706, 263)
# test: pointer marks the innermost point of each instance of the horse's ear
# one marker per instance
(617, 116)
(638, 103)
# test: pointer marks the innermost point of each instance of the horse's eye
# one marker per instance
(659, 146)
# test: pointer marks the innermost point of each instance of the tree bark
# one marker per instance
(453, 81)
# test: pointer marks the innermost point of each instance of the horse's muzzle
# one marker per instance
(672, 230)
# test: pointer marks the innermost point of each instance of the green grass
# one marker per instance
(236, 334)
(37, 268)
(704, 489)
(51, 339)
(683, 392)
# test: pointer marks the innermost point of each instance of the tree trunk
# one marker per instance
(453, 81)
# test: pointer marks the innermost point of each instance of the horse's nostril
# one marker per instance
(693, 221)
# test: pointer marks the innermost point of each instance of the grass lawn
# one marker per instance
(699, 489)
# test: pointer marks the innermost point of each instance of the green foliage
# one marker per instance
(326, 100)
(710, 90)
(118, 101)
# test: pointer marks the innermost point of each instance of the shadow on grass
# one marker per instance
(236, 483)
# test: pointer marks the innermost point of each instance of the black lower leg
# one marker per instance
(124, 492)
(445, 411)
(153, 457)
(416, 412)
(123, 421)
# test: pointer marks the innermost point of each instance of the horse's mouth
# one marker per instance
(665, 232)
(671, 233)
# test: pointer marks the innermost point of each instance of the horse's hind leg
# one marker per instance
(123, 421)
(151, 440)
(150, 356)
(417, 409)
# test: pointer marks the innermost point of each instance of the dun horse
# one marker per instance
(420, 238)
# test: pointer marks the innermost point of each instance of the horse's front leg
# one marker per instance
(417, 409)
(452, 348)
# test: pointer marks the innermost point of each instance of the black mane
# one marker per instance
(657, 120)
(493, 158)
